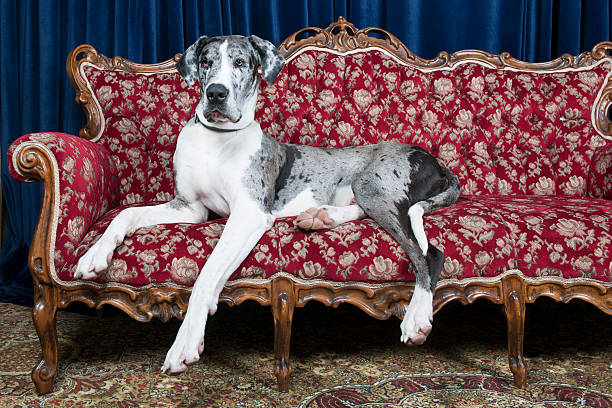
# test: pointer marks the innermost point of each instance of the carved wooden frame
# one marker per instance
(283, 293)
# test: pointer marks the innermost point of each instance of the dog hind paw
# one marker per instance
(180, 357)
(415, 330)
(314, 219)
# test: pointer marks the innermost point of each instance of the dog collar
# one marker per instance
(214, 129)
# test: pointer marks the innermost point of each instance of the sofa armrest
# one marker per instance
(600, 174)
(80, 184)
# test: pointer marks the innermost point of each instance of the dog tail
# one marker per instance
(446, 197)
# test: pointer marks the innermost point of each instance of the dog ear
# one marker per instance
(187, 65)
(270, 59)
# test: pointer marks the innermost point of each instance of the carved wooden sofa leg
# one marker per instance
(43, 314)
(514, 304)
(283, 304)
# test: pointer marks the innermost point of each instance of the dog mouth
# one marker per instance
(216, 116)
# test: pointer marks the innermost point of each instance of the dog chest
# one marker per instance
(209, 166)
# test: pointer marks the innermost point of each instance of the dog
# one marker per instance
(224, 163)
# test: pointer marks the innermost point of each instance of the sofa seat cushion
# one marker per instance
(168, 253)
(558, 236)
(474, 239)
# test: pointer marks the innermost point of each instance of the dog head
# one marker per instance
(227, 68)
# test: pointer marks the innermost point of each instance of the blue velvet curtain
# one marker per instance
(36, 36)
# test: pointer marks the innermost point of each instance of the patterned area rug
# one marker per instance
(340, 358)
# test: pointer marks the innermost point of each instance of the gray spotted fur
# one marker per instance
(201, 61)
(387, 179)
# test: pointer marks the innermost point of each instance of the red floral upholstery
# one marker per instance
(468, 233)
(172, 253)
(501, 131)
(568, 237)
(144, 115)
(475, 240)
(87, 185)
(482, 236)
(600, 176)
(522, 143)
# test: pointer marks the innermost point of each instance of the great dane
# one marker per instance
(224, 163)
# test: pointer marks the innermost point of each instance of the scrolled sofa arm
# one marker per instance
(600, 175)
(80, 184)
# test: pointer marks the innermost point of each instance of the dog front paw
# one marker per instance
(185, 351)
(94, 261)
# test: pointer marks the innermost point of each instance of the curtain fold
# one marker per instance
(36, 36)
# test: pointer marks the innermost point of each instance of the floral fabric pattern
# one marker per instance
(481, 236)
(565, 237)
(475, 241)
(501, 131)
(600, 176)
(144, 115)
(172, 253)
(88, 185)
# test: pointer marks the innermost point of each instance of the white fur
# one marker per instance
(244, 227)
(418, 314)
(225, 73)
(340, 215)
(343, 196)
(415, 212)
(303, 201)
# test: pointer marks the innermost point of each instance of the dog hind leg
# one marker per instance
(381, 203)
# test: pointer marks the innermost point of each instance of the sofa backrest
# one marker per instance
(502, 131)
(503, 126)
(142, 115)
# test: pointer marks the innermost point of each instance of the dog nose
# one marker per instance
(216, 93)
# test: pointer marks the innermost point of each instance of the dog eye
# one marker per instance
(239, 62)
(205, 63)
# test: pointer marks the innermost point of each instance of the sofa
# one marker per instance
(530, 142)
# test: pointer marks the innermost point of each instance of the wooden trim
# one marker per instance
(283, 304)
(342, 36)
(598, 294)
(35, 162)
(380, 302)
(284, 294)
(383, 302)
(43, 316)
(514, 306)
(603, 106)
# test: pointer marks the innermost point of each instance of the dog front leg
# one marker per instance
(99, 256)
(242, 231)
